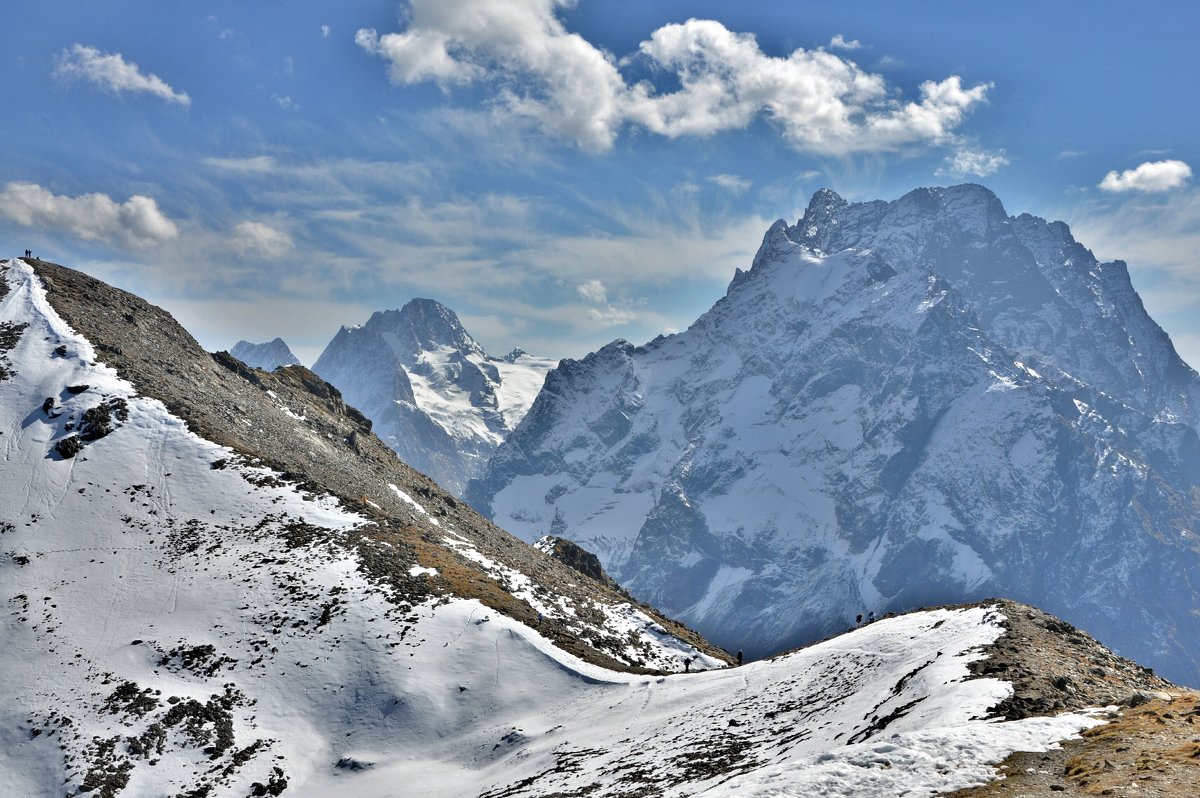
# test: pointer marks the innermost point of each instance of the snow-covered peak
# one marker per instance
(431, 390)
(268, 356)
(899, 403)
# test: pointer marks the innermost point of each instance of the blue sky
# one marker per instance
(565, 173)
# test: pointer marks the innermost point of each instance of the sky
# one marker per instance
(563, 173)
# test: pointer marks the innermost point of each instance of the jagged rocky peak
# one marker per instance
(434, 394)
(423, 325)
(900, 403)
(268, 356)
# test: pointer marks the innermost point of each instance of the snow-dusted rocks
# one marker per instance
(900, 403)
(433, 393)
(268, 356)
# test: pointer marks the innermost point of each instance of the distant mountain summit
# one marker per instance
(432, 392)
(268, 356)
(900, 403)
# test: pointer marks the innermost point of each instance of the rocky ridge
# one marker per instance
(293, 422)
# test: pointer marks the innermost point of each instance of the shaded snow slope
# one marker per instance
(900, 404)
(267, 356)
(433, 393)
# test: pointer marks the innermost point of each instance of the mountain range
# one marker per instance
(219, 582)
(900, 403)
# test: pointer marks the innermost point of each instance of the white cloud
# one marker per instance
(731, 183)
(839, 42)
(325, 31)
(593, 291)
(611, 316)
(1064, 154)
(541, 71)
(1149, 177)
(137, 222)
(258, 164)
(965, 162)
(110, 71)
(258, 240)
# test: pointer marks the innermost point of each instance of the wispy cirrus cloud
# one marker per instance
(539, 70)
(135, 223)
(731, 183)
(111, 72)
(1149, 177)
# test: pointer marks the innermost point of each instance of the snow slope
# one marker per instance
(900, 404)
(180, 617)
(433, 393)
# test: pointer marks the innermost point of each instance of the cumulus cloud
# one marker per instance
(541, 71)
(839, 42)
(111, 72)
(593, 291)
(731, 183)
(1148, 177)
(965, 162)
(325, 31)
(258, 240)
(137, 222)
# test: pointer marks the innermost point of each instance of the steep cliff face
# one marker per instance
(900, 403)
(433, 393)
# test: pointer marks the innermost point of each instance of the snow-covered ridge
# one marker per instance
(179, 619)
(433, 393)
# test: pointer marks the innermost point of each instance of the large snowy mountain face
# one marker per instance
(432, 392)
(901, 403)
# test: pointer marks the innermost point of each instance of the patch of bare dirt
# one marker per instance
(1149, 750)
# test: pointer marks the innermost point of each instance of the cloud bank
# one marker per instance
(111, 72)
(820, 102)
(1148, 177)
(136, 223)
